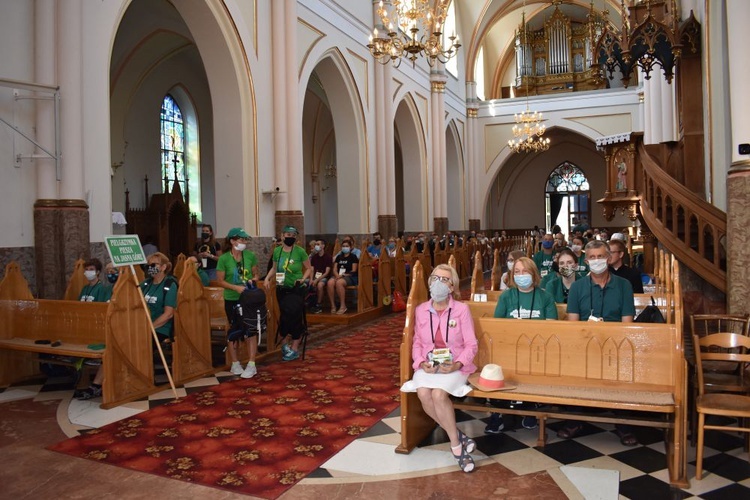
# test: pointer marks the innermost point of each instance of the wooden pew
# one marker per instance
(399, 269)
(385, 279)
(121, 324)
(78, 281)
(191, 351)
(364, 288)
(638, 367)
(179, 266)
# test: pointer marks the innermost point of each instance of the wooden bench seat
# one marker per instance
(65, 349)
(568, 365)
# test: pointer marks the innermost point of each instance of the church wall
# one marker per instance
(586, 114)
(141, 132)
(17, 180)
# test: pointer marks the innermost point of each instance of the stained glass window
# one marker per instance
(172, 141)
(565, 178)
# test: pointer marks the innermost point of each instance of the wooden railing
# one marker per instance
(689, 227)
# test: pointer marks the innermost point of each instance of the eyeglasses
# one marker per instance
(443, 279)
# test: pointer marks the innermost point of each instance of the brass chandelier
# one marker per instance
(415, 29)
(528, 132)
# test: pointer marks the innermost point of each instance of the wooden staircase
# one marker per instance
(689, 227)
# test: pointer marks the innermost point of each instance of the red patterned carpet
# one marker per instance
(263, 435)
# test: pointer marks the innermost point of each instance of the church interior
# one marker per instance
(455, 119)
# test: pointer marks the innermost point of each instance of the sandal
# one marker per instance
(465, 462)
(570, 431)
(627, 438)
(467, 443)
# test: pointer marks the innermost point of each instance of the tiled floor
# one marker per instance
(594, 465)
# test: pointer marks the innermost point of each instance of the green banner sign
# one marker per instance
(125, 250)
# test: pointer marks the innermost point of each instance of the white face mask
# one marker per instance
(317, 248)
(90, 275)
(576, 248)
(598, 266)
(439, 291)
(240, 247)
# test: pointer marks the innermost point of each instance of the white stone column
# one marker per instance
(295, 170)
(652, 101)
(44, 73)
(390, 147)
(381, 198)
(70, 78)
(435, 132)
(437, 135)
(668, 114)
(278, 51)
(471, 168)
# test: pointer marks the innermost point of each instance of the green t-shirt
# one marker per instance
(159, 295)
(236, 273)
(536, 304)
(556, 288)
(290, 263)
(98, 292)
(544, 262)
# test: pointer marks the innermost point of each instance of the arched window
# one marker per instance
(568, 197)
(172, 142)
(179, 148)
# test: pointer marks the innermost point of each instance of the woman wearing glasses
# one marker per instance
(443, 354)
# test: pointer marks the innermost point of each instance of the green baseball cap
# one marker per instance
(237, 232)
(290, 229)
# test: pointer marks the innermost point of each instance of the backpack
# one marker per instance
(250, 315)
(650, 314)
(291, 309)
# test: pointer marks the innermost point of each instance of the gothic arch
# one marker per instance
(411, 167)
(353, 171)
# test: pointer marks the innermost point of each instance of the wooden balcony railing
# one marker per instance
(688, 226)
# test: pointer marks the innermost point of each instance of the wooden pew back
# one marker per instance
(77, 281)
(192, 328)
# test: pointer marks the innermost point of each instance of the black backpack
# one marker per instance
(250, 315)
(650, 314)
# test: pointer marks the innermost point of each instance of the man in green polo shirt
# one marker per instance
(600, 296)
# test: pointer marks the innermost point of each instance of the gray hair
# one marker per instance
(593, 244)
(454, 278)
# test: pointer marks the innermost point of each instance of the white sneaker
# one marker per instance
(250, 371)
(236, 368)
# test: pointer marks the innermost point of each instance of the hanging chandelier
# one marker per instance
(415, 29)
(528, 132)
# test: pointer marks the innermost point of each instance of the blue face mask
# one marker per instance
(522, 280)
(547, 244)
(345, 250)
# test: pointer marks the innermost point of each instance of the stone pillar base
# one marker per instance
(61, 236)
(387, 226)
(475, 225)
(441, 225)
(291, 218)
(738, 258)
